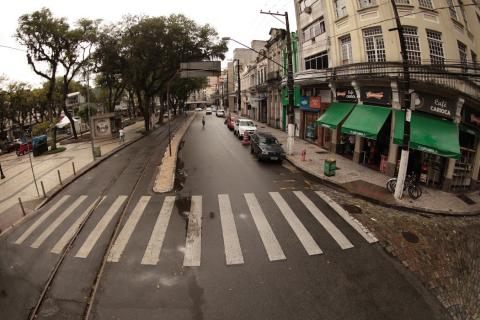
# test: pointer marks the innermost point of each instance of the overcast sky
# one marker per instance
(240, 20)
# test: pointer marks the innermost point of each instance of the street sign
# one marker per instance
(200, 69)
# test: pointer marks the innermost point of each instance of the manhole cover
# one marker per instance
(410, 237)
(352, 208)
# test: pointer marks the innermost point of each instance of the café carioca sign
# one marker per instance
(438, 106)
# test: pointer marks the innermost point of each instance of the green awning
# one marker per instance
(429, 134)
(336, 112)
(366, 121)
(469, 130)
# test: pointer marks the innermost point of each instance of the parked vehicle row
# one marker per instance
(263, 145)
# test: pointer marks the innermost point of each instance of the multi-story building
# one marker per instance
(353, 48)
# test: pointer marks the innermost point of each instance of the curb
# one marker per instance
(69, 181)
(410, 209)
(170, 187)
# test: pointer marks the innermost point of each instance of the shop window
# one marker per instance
(319, 61)
(346, 49)
(436, 47)
(412, 44)
(374, 46)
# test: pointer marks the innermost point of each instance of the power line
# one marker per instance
(12, 48)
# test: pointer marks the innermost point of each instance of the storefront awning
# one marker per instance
(366, 121)
(429, 134)
(335, 113)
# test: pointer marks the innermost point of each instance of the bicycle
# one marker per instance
(410, 184)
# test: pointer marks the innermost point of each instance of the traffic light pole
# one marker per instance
(402, 170)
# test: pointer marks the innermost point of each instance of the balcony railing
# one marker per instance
(464, 78)
(274, 76)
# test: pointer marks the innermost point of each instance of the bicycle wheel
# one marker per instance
(414, 191)
(391, 184)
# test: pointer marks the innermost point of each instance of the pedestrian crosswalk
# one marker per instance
(293, 207)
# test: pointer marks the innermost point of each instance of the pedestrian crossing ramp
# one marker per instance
(67, 215)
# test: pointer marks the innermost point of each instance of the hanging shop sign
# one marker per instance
(315, 102)
(438, 106)
(305, 102)
(472, 117)
(346, 94)
(376, 95)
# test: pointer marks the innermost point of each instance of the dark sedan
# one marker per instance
(266, 147)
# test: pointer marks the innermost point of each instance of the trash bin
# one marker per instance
(97, 152)
(39, 145)
(329, 167)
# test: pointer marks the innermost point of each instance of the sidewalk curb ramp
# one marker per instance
(411, 209)
(69, 181)
(165, 177)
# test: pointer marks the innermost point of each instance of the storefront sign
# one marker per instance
(376, 95)
(315, 102)
(472, 117)
(305, 102)
(346, 94)
(438, 106)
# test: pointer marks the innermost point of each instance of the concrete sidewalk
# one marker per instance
(19, 178)
(369, 183)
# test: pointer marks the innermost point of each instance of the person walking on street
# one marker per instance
(203, 122)
(121, 135)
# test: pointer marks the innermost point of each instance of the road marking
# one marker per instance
(154, 247)
(87, 246)
(270, 242)
(124, 235)
(193, 245)
(60, 245)
(357, 225)
(302, 233)
(233, 251)
(41, 219)
(336, 234)
(48, 231)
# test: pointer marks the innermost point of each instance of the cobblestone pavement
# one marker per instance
(443, 252)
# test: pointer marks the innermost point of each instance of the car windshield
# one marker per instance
(247, 123)
(268, 140)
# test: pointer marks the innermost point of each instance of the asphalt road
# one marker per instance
(247, 263)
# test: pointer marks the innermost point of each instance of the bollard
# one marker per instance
(73, 166)
(21, 206)
(304, 154)
(59, 177)
(43, 189)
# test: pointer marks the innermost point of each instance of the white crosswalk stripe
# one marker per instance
(270, 242)
(125, 234)
(67, 236)
(54, 225)
(35, 225)
(193, 245)
(154, 247)
(88, 245)
(364, 232)
(336, 234)
(301, 232)
(233, 252)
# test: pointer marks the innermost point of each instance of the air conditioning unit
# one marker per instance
(308, 10)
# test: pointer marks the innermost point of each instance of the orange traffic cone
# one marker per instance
(246, 138)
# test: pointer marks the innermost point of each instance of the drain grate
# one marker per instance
(352, 208)
(410, 236)
(466, 199)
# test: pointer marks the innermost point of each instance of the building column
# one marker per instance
(358, 139)
(335, 132)
(448, 181)
(393, 148)
(476, 168)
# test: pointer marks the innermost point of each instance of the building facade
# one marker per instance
(349, 48)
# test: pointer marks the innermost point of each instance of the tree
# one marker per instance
(75, 56)
(43, 36)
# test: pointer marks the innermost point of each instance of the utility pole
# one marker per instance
(290, 83)
(239, 97)
(90, 115)
(2, 176)
(402, 170)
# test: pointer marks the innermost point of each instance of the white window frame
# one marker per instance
(404, 2)
(452, 10)
(426, 4)
(346, 49)
(435, 46)
(412, 42)
(340, 8)
(374, 43)
(362, 4)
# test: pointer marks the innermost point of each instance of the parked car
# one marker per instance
(208, 111)
(231, 122)
(220, 113)
(242, 125)
(266, 147)
(198, 109)
(8, 146)
(214, 108)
